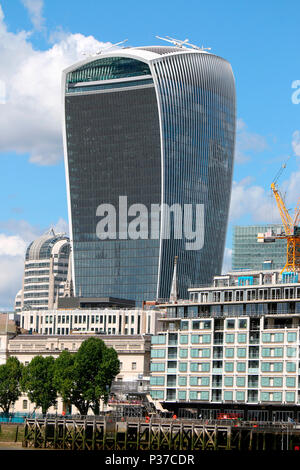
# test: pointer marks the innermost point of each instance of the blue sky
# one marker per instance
(38, 38)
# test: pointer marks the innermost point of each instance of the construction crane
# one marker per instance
(291, 230)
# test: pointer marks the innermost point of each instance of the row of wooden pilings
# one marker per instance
(103, 433)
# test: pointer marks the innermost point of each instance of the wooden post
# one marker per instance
(250, 440)
(228, 446)
(55, 434)
(17, 430)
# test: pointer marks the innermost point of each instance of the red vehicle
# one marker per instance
(229, 416)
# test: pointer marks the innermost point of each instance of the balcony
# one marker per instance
(172, 356)
(253, 384)
(217, 356)
(216, 396)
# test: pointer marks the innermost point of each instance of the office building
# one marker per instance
(147, 128)
(234, 346)
(249, 254)
(46, 272)
(133, 354)
(110, 321)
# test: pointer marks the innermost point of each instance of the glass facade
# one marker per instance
(247, 253)
(156, 131)
(197, 100)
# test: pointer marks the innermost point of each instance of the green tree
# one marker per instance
(85, 377)
(10, 388)
(37, 382)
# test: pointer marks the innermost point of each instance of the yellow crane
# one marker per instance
(291, 230)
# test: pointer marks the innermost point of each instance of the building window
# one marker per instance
(182, 366)
(241, 367)
(133, 366)
(158, 352)
(229, 366)
(157, 394)
(229, 338)
(157, 367)
(290, 396)
(157, 380)
(230, 324)
(292, 337)
(228, 396)
(181, 395)
(240, 396)
(183, 353)
(25, 404)
(203, 396)
(184, 339)
(182, 381)
(229, 352)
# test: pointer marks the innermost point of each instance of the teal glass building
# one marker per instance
(157, 125)
(248, 254)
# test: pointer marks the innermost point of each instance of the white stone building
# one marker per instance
(110, 321)
(133, 353)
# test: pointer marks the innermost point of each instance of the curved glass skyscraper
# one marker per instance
(149, 136)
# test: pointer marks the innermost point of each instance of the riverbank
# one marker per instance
(12, 434)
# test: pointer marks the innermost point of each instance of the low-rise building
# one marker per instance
(133, 353)
(111, 321)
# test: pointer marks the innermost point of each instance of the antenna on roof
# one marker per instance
(176, 42)
(100, 51)
(183, 44)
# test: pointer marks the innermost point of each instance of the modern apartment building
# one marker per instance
(149, 135)
(233, 345)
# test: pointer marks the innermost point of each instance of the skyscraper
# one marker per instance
(149, 137)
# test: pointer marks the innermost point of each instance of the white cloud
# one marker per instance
(30, 118)
(12, 245)
(254, 201)
(35, 8)
(247, 143)
(296, 143)
(11, 274)
(227, 261)
(61, 226)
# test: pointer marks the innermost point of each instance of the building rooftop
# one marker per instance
(41, 247)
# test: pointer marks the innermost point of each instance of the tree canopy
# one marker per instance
(10, 389)
(37, 382)
(83, 378)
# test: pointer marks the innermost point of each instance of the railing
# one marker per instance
(280, 425)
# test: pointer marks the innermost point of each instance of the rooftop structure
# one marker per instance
(45, 272)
